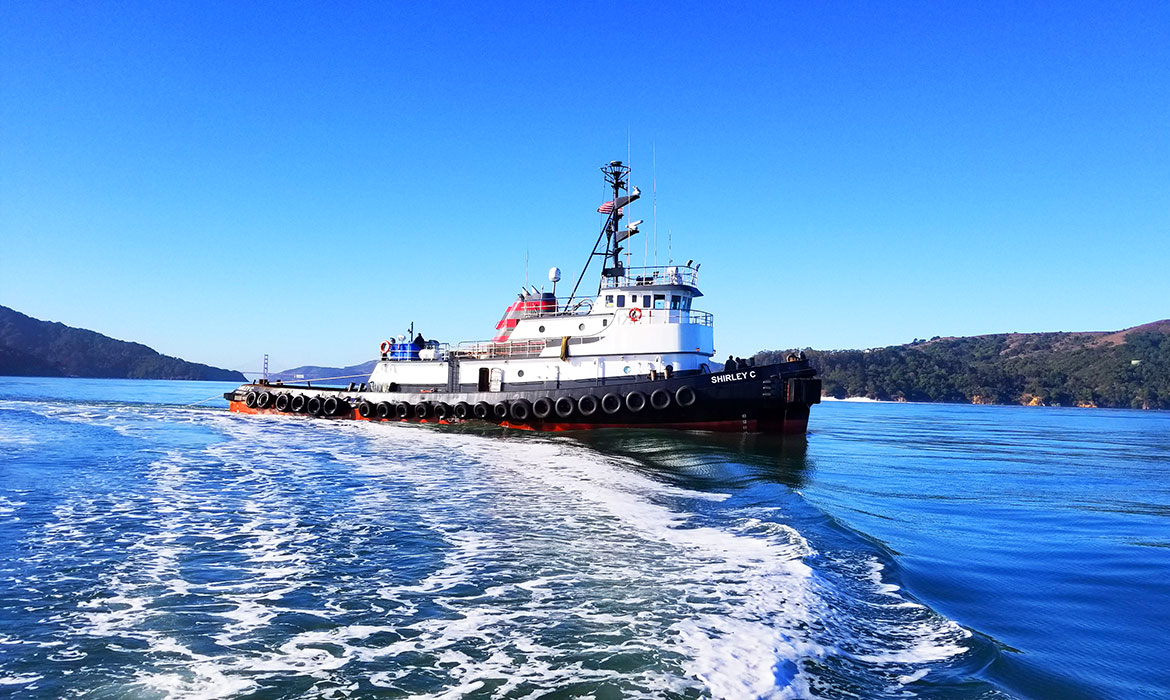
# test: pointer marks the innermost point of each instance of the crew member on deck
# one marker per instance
(729, 365)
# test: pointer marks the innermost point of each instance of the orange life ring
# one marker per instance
(386, 346)
(635, 315)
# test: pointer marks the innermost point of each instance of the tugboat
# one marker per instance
(635, 354)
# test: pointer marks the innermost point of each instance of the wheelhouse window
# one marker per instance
(675, 302)
(608, 300)
(659, 301)
(645, 301)
(686, 304)
(621, 301)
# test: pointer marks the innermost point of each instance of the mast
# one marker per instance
(617, 177)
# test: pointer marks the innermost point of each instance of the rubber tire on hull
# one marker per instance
(403, 410)
(521, 410)
(314, 406)
(463, 410)
(297, 405)
(367, 410)
(611, 403)
(482, 410)
(565, 406)
(442, 411)
(660, 398)
(500, 410)
(281, 403)
(263, 399)
(422, 410)
(542, 408)
(587, 404)
(331, 406)
(684, 396)
(250, 399)
(635, 401)
(385, 410)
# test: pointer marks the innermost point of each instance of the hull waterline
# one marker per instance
(771, 399)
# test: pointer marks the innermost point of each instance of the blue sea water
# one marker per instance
(150, 549)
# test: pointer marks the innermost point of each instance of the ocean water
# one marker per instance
(152, 549)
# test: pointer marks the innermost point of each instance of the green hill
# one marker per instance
(1122, 369)
(354, 373)
(34, 348)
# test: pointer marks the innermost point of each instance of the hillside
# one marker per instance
(33, 348)
(310, 372)
(1119, 369)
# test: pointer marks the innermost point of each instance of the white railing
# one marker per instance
(580, 307)
(665, 316)
(487, 349)
(646, 276)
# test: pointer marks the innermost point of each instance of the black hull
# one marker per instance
(768, 399)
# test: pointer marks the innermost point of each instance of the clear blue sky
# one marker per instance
(221, 180)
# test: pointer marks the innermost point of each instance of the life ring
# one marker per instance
(635, 315)
(386, 347)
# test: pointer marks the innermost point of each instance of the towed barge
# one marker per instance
(635, 354)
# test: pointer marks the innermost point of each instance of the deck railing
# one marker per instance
(646, 276)
(488, 349)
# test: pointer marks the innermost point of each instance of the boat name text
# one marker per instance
(738, 376)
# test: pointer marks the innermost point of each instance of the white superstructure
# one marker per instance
(639, 322)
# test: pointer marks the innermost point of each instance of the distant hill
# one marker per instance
(1118, 369)
(33, 348)
(353, 373)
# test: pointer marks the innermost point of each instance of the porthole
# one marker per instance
(520, 372)
(581, 327)
(541, 329)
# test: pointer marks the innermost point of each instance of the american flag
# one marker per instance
(605, 208)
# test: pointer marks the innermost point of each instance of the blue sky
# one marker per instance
(222, 180)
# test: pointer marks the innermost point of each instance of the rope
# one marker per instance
(209, 398)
